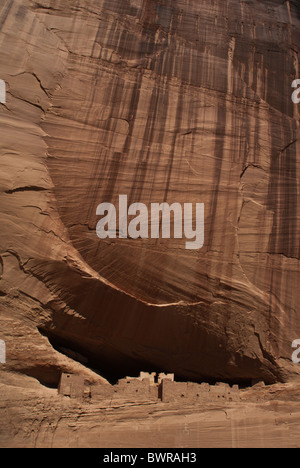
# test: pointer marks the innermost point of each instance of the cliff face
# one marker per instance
(165, 101)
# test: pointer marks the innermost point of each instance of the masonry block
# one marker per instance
(72, 385)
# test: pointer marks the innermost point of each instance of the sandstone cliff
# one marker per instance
(165, 101)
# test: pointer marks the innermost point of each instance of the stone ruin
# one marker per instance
(147, 387)
(73, 386)
(193, 392)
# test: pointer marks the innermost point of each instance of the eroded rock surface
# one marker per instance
(267, 418)
(165, 101)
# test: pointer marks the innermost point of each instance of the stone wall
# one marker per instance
(137, 390)
(189, 391)
(74, 386)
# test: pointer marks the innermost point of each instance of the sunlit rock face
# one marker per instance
(176, 101)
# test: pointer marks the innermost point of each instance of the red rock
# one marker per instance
(165, 101)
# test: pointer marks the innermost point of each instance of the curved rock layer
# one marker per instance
(165, 101)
